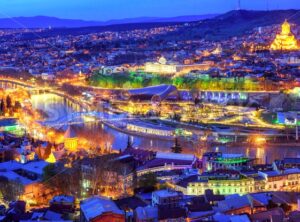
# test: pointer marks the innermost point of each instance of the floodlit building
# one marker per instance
(285, 40)
(215, 160)
(71, 140)
(286, 180)
(160, 67)
(168, 198)
(222, 186)
(164, 68)
(221, 182)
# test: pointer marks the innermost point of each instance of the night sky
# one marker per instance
(115, 9)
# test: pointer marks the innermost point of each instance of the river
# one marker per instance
(58, 110)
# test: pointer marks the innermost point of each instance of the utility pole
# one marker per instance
(297, 133)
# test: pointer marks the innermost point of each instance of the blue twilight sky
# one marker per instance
(116, 9)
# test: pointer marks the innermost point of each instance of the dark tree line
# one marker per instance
(10, 190)
(7, 106)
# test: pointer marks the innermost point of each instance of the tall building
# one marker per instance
(285, 40)
(71, 140)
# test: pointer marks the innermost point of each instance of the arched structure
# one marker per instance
(153, 93)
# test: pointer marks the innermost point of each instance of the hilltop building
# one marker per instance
(163, 67)
(285, 40)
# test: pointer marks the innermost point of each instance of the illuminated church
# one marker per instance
(285, 40)
(71, 140)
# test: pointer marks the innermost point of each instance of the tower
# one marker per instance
(239, 5)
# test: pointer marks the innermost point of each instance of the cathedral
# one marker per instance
(285, 40)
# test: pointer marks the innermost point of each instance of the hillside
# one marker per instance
(45, 21)
(235, 23)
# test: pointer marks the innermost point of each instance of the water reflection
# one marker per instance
(99, 134)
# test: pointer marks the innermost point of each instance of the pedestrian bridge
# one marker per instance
(72, 119)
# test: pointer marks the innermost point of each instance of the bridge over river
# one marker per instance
(33, 89)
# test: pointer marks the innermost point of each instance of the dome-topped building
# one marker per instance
(285, 40)
(162, 60)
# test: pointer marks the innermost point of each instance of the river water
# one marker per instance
(58, 110)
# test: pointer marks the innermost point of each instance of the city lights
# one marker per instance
(153, 118)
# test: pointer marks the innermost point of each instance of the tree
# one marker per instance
(10, 190)
(102, 168)
(176, 117)
(8, 102)
(2, 107)
(271, 204)
(18, 105)
(48, 172)
(129, 143)
(177, 147)
(148, 180)
(287, 208)
(68, 181)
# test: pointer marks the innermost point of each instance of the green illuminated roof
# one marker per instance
(10, 128)
(232, 160)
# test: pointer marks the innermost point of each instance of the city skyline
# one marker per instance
(170, 110)
(116, 9)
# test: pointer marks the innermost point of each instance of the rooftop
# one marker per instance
(166, 193)
(70, 133)
(10, 165)
(162, 162)
(63, 198)
(145, 213)
(291, 160)
(36, 167)
(96, 206)
(232, 202)
(175, 156)
(10, 175)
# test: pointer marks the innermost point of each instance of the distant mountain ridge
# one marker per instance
(46, 21)
(216, 28)
(235, 23)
